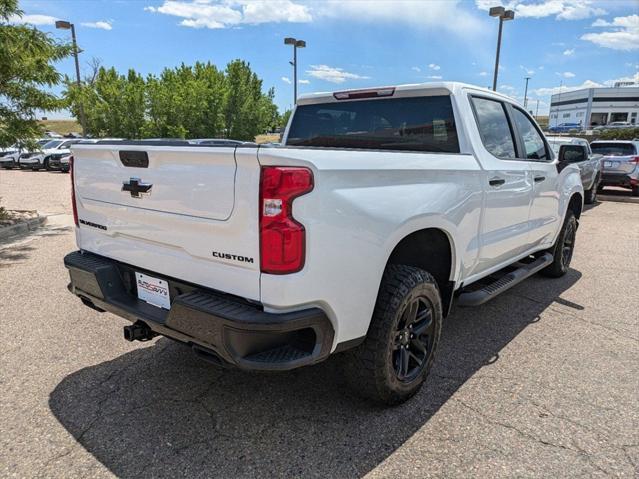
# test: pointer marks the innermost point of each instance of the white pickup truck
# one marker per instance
(355, 235)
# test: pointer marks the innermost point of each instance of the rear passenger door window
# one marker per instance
(494, 128)
(533, 143)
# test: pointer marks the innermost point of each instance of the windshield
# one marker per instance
(613, 149)
(51, 144)
(413, 124)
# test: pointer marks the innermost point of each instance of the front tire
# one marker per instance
(563, 249)
(392, 363)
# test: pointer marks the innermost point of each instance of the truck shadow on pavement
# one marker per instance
(160, 412)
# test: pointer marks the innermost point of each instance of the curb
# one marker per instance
(21, 228)
(618, 199)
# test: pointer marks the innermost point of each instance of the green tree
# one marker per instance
(27, 56)
(283, 120)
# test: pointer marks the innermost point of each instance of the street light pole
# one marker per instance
(296, 44)
(526, 92)
(64, 25)
(503, 15)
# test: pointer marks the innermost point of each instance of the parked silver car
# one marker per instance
(620, 163)
(589, 163)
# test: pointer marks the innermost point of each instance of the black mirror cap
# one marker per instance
(571, 153)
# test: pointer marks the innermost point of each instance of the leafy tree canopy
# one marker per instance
(27, 56)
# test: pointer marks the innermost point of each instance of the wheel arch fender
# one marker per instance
(430, 244)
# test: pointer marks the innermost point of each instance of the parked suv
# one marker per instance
(588, 162)
(620, 161)
(11, 156)
(54, 149)
(382, 207)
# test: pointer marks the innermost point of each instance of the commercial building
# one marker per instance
(595, 106)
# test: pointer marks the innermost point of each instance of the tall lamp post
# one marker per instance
(526, 92)
(296, 44)
(64, 25)
(503, 15)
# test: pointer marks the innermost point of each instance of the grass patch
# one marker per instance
(267, 138)
(63, 127)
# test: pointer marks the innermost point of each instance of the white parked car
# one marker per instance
(9, 157)
(54, 149)
(381, 208)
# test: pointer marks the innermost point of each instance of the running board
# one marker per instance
(480, 296)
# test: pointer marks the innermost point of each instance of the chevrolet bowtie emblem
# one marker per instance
(136, 187)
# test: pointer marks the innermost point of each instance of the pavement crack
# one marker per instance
(577, 450)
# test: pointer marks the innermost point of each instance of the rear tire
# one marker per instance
(563, 249)
(390, 366)
(590, 196)
(635, 190)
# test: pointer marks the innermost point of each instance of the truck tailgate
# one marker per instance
(187, 212)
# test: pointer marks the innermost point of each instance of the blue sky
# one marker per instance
(360, 43)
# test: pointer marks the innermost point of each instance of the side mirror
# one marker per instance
(572, 153)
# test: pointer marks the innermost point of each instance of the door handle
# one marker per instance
(539, 179)
(496, 181)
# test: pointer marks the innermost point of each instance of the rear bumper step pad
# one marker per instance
(239, 332)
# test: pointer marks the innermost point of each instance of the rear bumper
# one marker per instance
(225, 329)
(618, 179)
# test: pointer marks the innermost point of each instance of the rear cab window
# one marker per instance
(614, 149)
(421, 124)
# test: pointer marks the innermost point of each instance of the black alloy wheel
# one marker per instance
(414, 339)
(568, 245)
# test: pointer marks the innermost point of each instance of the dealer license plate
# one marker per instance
(611, 164)
(154, 291)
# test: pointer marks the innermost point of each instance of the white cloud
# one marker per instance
(332, 74)
(569, 52)
(434, 66)
(528, 71)
(566, 74)
(448, 15)
(624, 33)
(34, 19)
(303, 82)
(563, 89)
(434, 77)
(286, 80)
(483, 74)
(560, 9)
(102, 25)
(227, 13)
(416, 69)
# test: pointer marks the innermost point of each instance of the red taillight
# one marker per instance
(634, 159)
(282, 239)
(73, 205)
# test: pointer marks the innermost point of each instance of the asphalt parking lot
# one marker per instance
(541, 382)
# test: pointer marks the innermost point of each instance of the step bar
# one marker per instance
(488, 292)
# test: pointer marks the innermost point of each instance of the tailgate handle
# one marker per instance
(134, 159)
